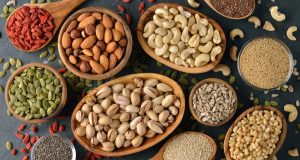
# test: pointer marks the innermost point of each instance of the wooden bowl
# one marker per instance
(160, 154)
(63, 97)
(105, 75)
(147, 16)
(146, 143)
(212, 80)
(250, 110)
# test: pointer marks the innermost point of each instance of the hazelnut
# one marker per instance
(69, 51)
(75, 34)
(123, 42)
(84, 67)
(90, 29)
(101, 45)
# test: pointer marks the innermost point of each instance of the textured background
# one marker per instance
(8, 125)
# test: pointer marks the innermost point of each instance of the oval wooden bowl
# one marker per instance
(147, 16)
(105, 75)
(160, 154)
(212, 80)
(250, 110)
(147, 143)
(63, 98)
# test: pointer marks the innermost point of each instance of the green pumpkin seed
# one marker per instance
(51, 50)
(1, 89)
(42, 112)
(51, 57)
(6, 66)
(8, 113)
(54, 44)
(194, 81)
(11, 9)
(240, 105)
(28, 117)
(12, 70)
(158, 64)
(5, 9)
(3, 15)
(37, 116)
(232, 79)
(2, 74)
(274, 103)
(183, 82)
(137, 70)
(184, 75)
(8, 145)
(168, 73)
(221, 137)
(60, 62)
(256, 101)
(173, 75)
(44, 54)
(49, 111)
(1, 60)
(267, 103)
(18, 63)
(33, 1)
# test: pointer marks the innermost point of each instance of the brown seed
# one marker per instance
(108, 36)
(83, 16)
(116, 35)
(97, 15)
(104, 62)
(75, 34)
(101, 45)
(85, 58)
(112, 61)
(111, 47)
(87, 52)
(96, 52)
(90, 29)
(100, 29)
(119, 27)
(105, 53)
(76, 43)
(107, 22)
(69, 51)
(72, 26)
(97, 68)
(72, 59)
(88, 42)
(87, 21)
(123, 42)
(85, 67)
(66, 40)
(119, 52)
(76, 52)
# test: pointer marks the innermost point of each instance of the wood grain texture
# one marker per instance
(160, 154)
(58, 10)
(147, 143)
(147, 16)
(212, 80)
(105, 75)
(250, 110)
(63, 97)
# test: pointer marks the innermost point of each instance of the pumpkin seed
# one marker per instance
(240, 105)
(44, 54)
(4, 15)
(195, 81)
(173, 75)
(168, 73)
(158, 64)
(184, 75)
(256, 101)
(60, 62)
(137, 70)
(274, 103)
(221, 137)
(1, 89)
(51, 50)
(267, 103)
(8, 113)
(54, 44)
(11, 9)
(18, 63)
(183, 82)
(6, 66)
(232, 79)
(1, 60)
(28, 117)
(5, 9)
(8, 145)
(41, 1)
(12, 70)
(2, 74)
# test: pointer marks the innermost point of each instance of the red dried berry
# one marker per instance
(142, 11)
(50, 130)
(141, 6)
(121, 8)
(25, 158)
(23, 150)
(33, 129)
(62, 70)
(19, 135)
(33, 140)
(26, 138)
(13, 152)
(61, 128)
(73, 140)
(55, 126)
(126, 1)
(28, 146)
(151, 1)
(128, 18)
(21, 127)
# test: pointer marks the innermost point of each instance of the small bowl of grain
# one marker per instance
(213, 102)
(265, 63)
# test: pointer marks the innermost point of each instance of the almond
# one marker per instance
(73, 59)
(87, 21)
(98, 16)
(112, 61)
(87, 52)
(111, 47)
(97, 68)
(104, 62)
(107, 22)
(119, 53)
(120, 28)
(85, 58)
(72, 26)
(100, 32)
(88, 42)
(83, 16)
(66, 40)
(76, 43)
(108, 36)
(116, 35)
(96, 52)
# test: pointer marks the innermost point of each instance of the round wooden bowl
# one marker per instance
(147, 16)
(212, 80)
(250, 110)
(147, 143)
(160, 154)
(63, 98)
(105, 75)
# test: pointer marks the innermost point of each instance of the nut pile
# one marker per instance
(122, 115)
(213, 102)
(255, 136)
(184, 38)
(94, 42)
(35, 93)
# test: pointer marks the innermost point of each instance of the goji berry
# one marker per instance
(121, 8)
(33, 140)
(62, 70)
(21, 127)
(23, 150)
(25, 158)
(128, 18)
(13, 152)
(126, 1)
(26, 138)
(33, 129)
(55, 126)
(61, 128)
(141, 6)
(51, 130)
(19, 135)
(28, 146)
(151, 1)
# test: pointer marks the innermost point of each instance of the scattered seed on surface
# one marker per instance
(274, 95)
(8, 145)
(232, 79)
(1, 59)
(2, 74)
(256, 101)
(44, 54)
(6, 66)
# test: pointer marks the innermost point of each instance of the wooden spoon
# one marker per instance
(235, 18)
(58, 10)
(159, 155)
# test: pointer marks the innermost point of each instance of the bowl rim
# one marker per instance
(63, 96)
(212, 80)
(291, 61)
(118, 67)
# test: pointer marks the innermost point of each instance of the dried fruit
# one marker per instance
(21, 127)
(128, 18)
(121, 8)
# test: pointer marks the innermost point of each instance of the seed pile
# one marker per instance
(255, 136)
(189, 146)
(35, 93)
(30, 28)
(123, 115)
(53, 147)
(234, 8)
(213, 102)
(265, 63)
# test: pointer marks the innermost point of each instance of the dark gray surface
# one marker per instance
(8, 125)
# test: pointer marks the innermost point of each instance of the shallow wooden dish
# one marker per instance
(105, 75)
(147, 16)
(160, 154)
(148, 142)
(250, 110)
(63, 98)
(212, 80)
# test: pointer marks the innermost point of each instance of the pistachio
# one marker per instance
(123, 127)
(152, 115)
(120, 139)
(98, 127)
(132, 109)
(90, 131)
(113, 109)
(151, 82)
(129, 134)
(173, 110)
(164, 87)
(97, 108)
(93, 118)
(79, 116)
(150, 133)
(137, 141)
(141, 128)
(94, 141)
(117, 88)
(134, 122)
(80, 131)
(155, 126)
(105, 120)
(163, 116)
(84, 122)
(103, 92)
(127, 143)
(107, 146)
(101, 136)
(150, 91)
(168, 100)
(158, 109)
(112, 134)
(124, 117)
(145, 106)
(135, 98)
(121, 100)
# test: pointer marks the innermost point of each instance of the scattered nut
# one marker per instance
(236, 32)
(255, 20)
(293, 152)
(292, 110)
(193, 3)
(290, 32)
(276, 15)
(268, 26)
(222, 68)
(233, 53)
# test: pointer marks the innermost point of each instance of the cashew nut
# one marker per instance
(193, 3)
(158, 21)
(254, 20)
(233, 53)
(290, 32)
(172, 57)
(217, 38)
(149, 29)
(174, 49)
(181, 46)
(276, 15)
(176, 35)
(185, 34)
(236, 32)
(202, 59)
(194, 41)
(191, 62)
(222, 68)
(178, 61)
(173, 11)
(187, 52)
(166, 55)
(184, 63)
(196, 54)
(191, 21)
(159, 41)
(293, 113)
(162, 50)
(209, 35)
(200, 20)
(268, 26)
(181, 19)
(183, 12)
(201, 28)
(161, 31)
(214, 52)
(168, 24)
(168, 37)
(206, 48)
(151, 41)
(161, 12)
(293, 152)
